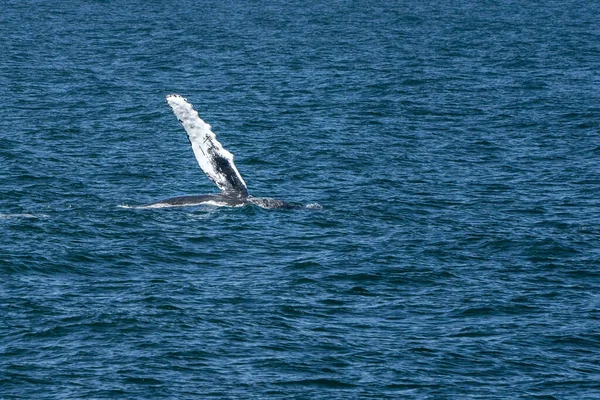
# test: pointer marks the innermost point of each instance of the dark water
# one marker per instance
(454, 147)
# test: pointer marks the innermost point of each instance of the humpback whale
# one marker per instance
(217, 164)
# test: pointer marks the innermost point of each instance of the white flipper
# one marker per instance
(215, 161)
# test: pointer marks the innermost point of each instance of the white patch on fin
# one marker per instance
(215, 161)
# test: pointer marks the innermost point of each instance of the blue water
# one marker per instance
(454, 147)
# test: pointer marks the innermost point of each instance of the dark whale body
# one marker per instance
(222, 200)
(216, 199)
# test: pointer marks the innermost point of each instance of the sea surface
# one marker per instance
(454, 147)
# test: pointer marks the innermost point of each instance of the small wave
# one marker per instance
(17, 216)
(323, 382)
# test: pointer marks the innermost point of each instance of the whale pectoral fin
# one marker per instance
(215, 161)
(235, 184)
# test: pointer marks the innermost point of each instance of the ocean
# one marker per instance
(453, 149)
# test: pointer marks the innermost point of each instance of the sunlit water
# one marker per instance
(453, 148)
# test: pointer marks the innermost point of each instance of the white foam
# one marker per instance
(150, 206)
(314, 206)
(167, 205)
(220, 204)
(15, 216)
